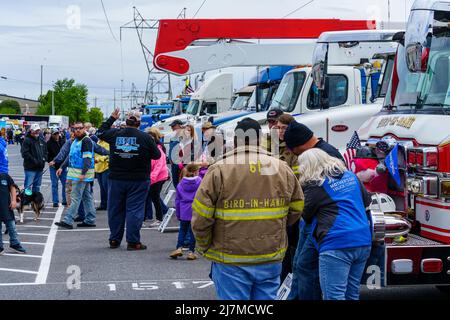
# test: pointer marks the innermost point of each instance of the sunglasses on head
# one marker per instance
(77, 128)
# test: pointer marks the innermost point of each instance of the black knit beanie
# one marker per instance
(297, 134)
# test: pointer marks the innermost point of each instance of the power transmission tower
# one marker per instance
(157, 82)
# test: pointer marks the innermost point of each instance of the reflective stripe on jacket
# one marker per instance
(242, 207)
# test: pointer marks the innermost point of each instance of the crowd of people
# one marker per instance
(271, 205)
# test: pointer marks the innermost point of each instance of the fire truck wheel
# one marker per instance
(445, 289)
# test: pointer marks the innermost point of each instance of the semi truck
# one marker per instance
(353, 73)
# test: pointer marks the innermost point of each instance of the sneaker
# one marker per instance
(62, 224)
(64, 204)
(114, 244)
(155, 224)
(78, 219)
(55, 205)
(18, 248)
(2, 251)
(100, 208)
(86, 225)
(136, 246)
(176, 253)
(191, 256)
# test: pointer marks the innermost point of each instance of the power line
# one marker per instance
(107, 21)
(199, 8)
(301, 7)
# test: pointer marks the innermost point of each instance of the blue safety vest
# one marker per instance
(76, 158)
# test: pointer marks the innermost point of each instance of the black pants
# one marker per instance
(155, 194)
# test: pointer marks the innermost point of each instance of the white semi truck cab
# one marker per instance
(351, 91)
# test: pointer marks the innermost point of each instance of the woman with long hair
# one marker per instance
(335, 204)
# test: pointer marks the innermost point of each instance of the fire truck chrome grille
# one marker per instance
(415, 240)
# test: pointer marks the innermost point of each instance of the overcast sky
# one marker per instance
(51, 33)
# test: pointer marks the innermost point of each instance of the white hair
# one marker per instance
(315, 165)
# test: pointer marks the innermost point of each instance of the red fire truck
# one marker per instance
(416, 119)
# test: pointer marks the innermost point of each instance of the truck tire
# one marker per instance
(444, 289)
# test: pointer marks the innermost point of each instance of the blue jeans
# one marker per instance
(305, 280)
(257, 282)
(33, 178)
(11, 227)
(81, 195)
(184, 234)
(102, 179)
(54, 178)
(126, 204)
(341, 271)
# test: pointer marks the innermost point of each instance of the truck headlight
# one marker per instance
(426, 186)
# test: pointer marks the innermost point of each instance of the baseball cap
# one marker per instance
(134, 114)
(55, 130)
(274, 114)
(176, 122)
(35, 127)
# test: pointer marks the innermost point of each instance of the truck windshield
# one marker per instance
(193, 107)
(263, 93)
(288, 91)
(427, 92)
(241, 102)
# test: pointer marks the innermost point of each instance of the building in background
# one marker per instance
(27, 106)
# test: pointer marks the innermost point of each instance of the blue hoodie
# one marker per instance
(3, 156)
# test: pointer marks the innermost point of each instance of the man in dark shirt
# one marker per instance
(129, 179)
(300, 138)
(54, 145)
(34, 154)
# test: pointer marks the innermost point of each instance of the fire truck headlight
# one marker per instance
(415, 186)
(445, 188)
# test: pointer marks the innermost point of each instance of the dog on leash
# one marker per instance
(35, 200)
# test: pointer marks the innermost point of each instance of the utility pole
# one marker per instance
(53, 102)
(42, 76)
(95, 102)
(121, 97)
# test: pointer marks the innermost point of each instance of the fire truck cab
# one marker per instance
(415, 118)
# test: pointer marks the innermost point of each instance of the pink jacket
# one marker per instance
(159, 171)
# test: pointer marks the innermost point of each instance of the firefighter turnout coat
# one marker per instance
(242, 208)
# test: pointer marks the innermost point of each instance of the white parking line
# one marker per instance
(44, 268)
(31, 218)
(32, 234)
(18, 270)
(26, 226)
(33, 243)
(22, 255)
(99, 229)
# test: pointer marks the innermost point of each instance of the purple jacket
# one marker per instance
(186, 190)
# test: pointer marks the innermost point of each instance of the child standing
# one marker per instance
(7, 204)
(186, 190)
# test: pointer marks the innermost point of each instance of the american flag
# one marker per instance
(352, 146)
(187, 88)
